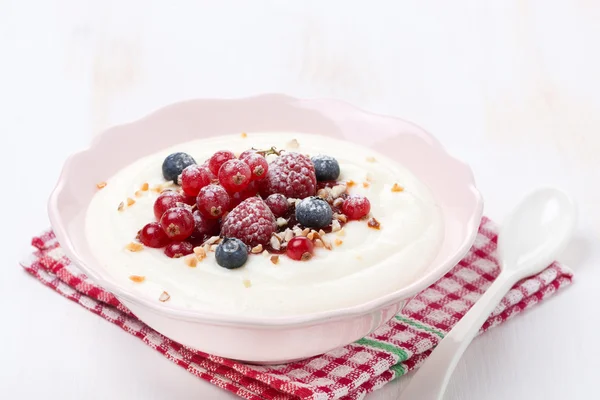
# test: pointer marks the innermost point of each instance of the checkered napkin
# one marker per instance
(347, 373)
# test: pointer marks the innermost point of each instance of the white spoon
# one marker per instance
(530, 239)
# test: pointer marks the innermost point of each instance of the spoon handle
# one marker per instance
(429, 383)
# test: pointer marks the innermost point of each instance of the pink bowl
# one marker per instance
(267, 339)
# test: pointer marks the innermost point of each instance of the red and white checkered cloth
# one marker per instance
(346, 373)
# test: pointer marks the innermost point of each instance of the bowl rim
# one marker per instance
(61, 233)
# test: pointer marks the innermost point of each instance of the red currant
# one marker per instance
(218, 159)
(235, 176)
(204, 226)
(258, 165)
(179, 249)
(356, 207)
(300, 248)
(194, 178)
(278, 204)
(152, 235)
(165, 201)
(213, 201)
(247, 153)
(178, 223)
(237, 198)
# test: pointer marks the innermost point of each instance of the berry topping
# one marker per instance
(292, 175)
(165, 201)
(178, 223)
(235, 176)
(326, 168)
(179, 249)
(194, 178)
(218, 159)
(314, 212)
(152, 235)
(251, 221)
(231, 253)
(250, 191)
(174, 165)
(204, 226)
(248, 153)
(356, 207)
(213, 201)
(278, 204)
(258, 165)
(300, 248)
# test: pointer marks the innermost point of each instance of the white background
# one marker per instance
(510, 86)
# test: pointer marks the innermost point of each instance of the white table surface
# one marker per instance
(511, 87)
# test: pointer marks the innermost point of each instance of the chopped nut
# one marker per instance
(101, 185)
(134, 247)
(213, 247)
(311, 235)
(244, 135)
(139, 193)
(373, 223)
(369, 177)
(366, 184)
(281, 222)
(206, 248)
(275, 242)
(319, 243)
(279, 236)
(293, 144)
(275, 259)
(321, 232)
(350, 183)
(335, 225)
(137, 278)
(338, 202)
(338, 242)
(257, 249)
(305, 232)
(338, 190)
(327, 244)
(265, 253)
(156, 189)
(145, 187)
(121, 206)
(200, 253)
(397, 188)
(371, 159)
(191, 260)
(164, 296)
(340, 217)
(324, 193)
(247, 283)
(288, 235)
(297, 231)
(213, 240)
(292, 201)
(130, 201)
(341, 232)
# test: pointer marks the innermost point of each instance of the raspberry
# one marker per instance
(218, 159)
(292, 175)
(356, 207)
(152, 235)
(235, 176)
(300, 248)
(213, 201)
(178, 223)
(194, 178)
(165, 201)
(258, 165)
(278, 204)
(251, 221)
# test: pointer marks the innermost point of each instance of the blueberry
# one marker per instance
(174, 165)
(314, 212)
(326, 168)
(231, 253)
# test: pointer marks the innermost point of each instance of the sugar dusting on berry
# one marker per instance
(292, 175)
(251, 221)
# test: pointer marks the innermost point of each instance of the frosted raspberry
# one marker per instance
(251, 221)
(292, 175)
